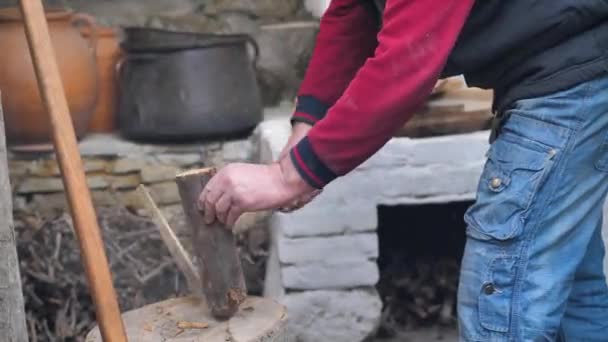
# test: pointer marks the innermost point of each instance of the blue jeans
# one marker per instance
(533, 263)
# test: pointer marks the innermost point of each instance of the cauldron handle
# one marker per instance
(256, 51)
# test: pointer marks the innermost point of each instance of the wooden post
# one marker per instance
(223, 283)
(12, 312)
(79, 197)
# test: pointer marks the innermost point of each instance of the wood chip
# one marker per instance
(148, 327)
(192, 325)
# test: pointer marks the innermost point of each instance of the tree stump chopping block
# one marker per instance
(189, 319)
(222, 279)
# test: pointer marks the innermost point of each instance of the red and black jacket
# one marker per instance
(364, 82)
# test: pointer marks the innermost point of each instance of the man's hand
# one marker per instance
(239, 188)
(299, 131)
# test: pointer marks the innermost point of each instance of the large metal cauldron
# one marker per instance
(185, 86)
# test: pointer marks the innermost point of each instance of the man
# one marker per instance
(532, 268)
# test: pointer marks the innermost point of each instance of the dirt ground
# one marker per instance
(434, 334)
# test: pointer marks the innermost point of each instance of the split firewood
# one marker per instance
(223, 281)
(192, 325)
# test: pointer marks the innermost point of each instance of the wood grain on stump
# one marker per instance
(189, 319)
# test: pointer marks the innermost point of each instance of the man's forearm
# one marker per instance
(414, 45)
(347, 37)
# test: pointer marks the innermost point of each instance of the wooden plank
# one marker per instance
(223, 282)
(79, 197)
(12, 311)
(457, 111)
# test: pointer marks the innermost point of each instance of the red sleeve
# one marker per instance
(414, 44)
(346, 38)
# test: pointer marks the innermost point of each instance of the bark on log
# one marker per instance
(189, 319)
(221, 274)
(12, 311)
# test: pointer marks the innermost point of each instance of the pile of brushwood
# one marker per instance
(57, 299)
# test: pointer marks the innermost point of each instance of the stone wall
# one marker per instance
(115, 167)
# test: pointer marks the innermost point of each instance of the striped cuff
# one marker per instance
(309, 110)
(309, 166)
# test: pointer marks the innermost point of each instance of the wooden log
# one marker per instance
(222, 279)
(12, 312)
(189, 319)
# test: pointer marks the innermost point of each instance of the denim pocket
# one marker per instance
(496, 294)
(514, 171)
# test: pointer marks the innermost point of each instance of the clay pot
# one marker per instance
(108, 55)
(26, 119)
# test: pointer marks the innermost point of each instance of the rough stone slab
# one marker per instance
(330, 274)
(336, 316)
(341, 248)
(50, 167)
(317, 218)
(55, 184)
(261, 8)
(275, 131)
(284, 49)
(317, 7)
(126, 165)
(158, 173)
(238, 151)
(109, 145)
(165, 193)
(124, 182)
(176, 159)
(449, 150)
(438, 180)
(273, 284)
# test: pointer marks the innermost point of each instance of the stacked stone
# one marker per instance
(323, 257)
(114, 168)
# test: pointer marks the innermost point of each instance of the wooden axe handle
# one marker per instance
(79, 197)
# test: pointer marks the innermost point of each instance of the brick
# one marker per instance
(330, 274)
(341, 248)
